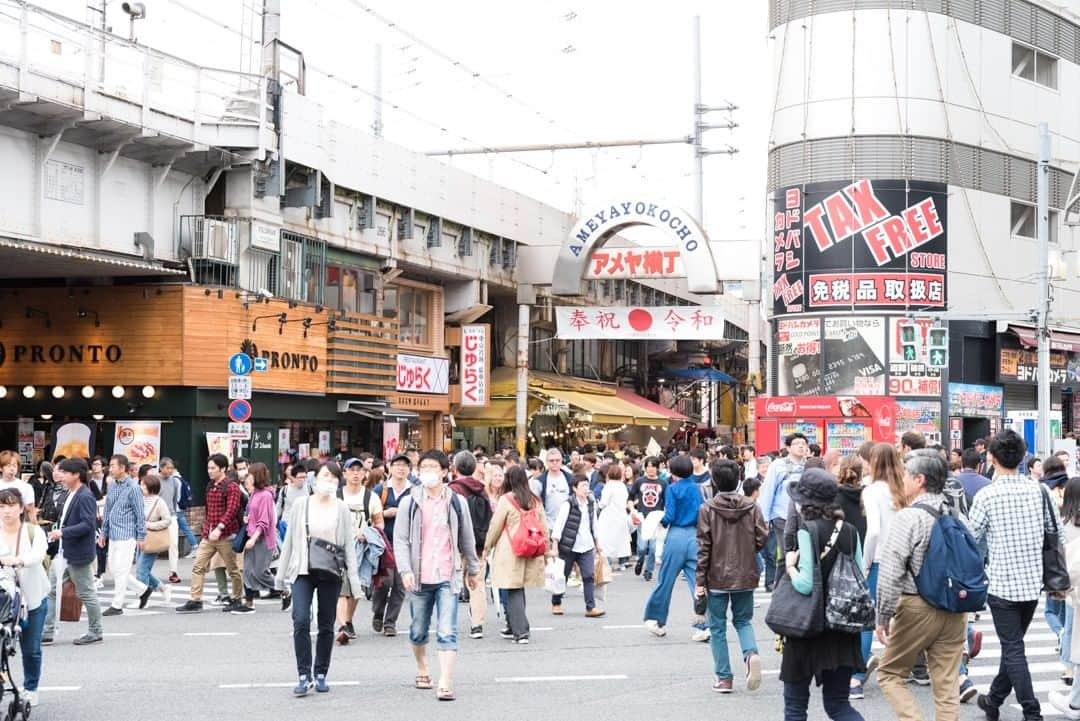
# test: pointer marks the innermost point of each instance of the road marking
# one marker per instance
(624, 626)
(545, 679)
(57, 689)
(1034, 668)
(542, 628)
(212, 633)
(117, 635)
(290, 684)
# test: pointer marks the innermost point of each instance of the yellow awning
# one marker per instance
(499, 413)
(603, 409)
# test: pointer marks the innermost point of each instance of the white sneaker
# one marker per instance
(98, 584)
(655, 628)
(1060, 701)
(31, 697)
(701, 635)
(167, 590)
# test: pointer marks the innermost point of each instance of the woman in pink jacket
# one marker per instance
(261, 539)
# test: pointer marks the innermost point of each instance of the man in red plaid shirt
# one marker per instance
(222, 507)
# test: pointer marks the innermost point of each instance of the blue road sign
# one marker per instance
(261, 364)
(240, 364)
(239, 410)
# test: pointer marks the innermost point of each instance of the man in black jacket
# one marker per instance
(76, 557)
(471, 489)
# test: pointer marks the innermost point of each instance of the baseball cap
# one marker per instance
(351, 462)
(400, 457)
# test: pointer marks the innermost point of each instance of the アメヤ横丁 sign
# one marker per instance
(867, 245)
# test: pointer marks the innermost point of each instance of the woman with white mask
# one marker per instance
(317, 553)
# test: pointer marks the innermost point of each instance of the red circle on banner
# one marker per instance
(640, 320)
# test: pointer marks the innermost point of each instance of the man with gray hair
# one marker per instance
(170, 493)
(920, 626)
(552, 485)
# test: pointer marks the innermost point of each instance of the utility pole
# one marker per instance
(1042, 194)
(526, 297)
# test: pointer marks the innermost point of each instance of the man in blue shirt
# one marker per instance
(774, 499)
(682, 499)
(124, 525)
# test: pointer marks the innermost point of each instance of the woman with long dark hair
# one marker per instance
(508, 570)
(833, 656)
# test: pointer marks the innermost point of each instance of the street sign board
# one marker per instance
(240, 431)
(239, 411)
(262, 365)
(239, 388)
(240, 364)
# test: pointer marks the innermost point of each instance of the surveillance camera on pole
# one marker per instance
(135, 11)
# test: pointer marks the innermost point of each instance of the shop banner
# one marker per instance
(921, 416)
(1017, 365)
(324, 443)
(140, 441)
(219, 443)
(854, 356)
(474, 365)
(914, 378)
(421, 374)
(74, 439)
(798, 346)
(303, 451)
(656, 323)
(391, 438)
(867, 245)
(283, 440)
(25, 444)
(635, 263)
(967, 400)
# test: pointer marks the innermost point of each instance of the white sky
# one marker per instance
(577, 69)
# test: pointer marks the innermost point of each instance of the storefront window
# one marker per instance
(350, 290)
(333, 287)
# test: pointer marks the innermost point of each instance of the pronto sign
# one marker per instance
(594, 228)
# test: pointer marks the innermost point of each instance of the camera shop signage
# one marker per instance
(1016, 365)
(867, 245)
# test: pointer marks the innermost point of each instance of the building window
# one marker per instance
(414, 314)
(1022, 221)
(350, 290)
(1031, 64)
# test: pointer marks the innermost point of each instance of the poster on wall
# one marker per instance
(72, 439)
(968, 400)
(140, 441)
(867, 245)
(25, 444)
(911, 378)
(854, 356)
(798, 347)
(324, 443)
(283, 440)
(219, 443)
(921, 416)
(391, 438)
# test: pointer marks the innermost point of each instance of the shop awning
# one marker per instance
(499, 413)
(703, 374)
(1059, 339)
(26, 259)
(652, 410)
(376, 411)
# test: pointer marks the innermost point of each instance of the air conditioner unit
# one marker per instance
(217, 240)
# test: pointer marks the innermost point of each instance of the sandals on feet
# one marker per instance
(423, 682)
(445, 694)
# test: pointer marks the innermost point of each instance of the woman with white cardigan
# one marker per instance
(325, 517)
(613, 527)
(24, 550)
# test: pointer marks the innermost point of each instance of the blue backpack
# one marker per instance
(952, 576)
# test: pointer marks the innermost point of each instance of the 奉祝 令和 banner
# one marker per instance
(642, 323)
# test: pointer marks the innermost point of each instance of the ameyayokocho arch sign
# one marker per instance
(593, 230)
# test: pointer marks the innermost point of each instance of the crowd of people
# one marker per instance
(437, 531)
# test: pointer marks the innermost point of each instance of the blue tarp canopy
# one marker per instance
(703, 374)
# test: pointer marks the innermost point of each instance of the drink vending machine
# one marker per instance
(840, 422)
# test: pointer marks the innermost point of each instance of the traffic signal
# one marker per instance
(938, 347)
(909, 346)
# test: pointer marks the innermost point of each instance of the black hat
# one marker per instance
(400, 457)
(815, 485)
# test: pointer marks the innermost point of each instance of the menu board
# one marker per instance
(810, 430)
(846, 437)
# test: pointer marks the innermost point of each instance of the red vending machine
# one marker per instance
(840, 422)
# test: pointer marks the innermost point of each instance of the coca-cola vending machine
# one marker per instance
(840, 422)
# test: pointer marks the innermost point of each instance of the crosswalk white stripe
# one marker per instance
(1034, 668)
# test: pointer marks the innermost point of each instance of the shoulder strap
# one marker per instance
(832, 540)
(1047, 510)
(367, 503)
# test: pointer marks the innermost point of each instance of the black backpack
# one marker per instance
(479, 512)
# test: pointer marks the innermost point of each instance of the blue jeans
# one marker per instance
(835, 697)
(1055, 614)
(680, 554)
(742, 611)
(1066, 638)
(868, 636)
(30, 645)
(440, 598)
(181, 522)
(144, 567)
(304, 590)
(647, 550)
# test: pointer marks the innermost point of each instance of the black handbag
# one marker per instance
(325, 559)
(1055, 569)
(848, 605)
(240, 539)
(795, 615)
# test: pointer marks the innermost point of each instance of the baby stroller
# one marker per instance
(10, 616)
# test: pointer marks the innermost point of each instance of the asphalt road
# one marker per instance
(157, 665)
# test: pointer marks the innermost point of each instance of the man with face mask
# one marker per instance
(241, 464)
(432, 536)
